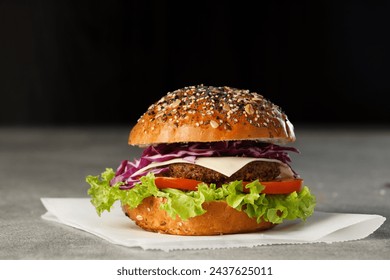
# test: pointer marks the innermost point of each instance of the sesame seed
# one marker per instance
(214, 124)
(249, 109)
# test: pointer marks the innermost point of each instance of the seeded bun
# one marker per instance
(219, 219)
(206, 114)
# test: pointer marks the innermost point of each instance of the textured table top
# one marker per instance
(348, 169)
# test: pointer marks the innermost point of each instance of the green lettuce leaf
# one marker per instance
(187, 204)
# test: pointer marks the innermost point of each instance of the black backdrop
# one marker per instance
(86, 62)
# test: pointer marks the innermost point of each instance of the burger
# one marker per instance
(215, 160)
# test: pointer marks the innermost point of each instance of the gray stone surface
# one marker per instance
(347, 168)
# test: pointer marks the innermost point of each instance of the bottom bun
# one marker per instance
(219, 219)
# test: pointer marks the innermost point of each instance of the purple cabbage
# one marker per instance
(190, 151)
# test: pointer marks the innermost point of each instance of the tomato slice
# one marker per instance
(176, 183)
(280, 187)
(272, 187)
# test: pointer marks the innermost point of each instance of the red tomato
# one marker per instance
(176, 183)
(280, 187)
(273, 187)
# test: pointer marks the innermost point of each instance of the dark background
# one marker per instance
(85, 62)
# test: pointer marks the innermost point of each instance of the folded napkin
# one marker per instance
(116, 228)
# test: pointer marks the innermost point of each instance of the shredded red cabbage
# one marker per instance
(190, 151)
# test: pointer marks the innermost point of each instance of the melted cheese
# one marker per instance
(224, 165)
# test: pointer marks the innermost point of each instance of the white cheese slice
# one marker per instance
(224, 165)
(227, 165)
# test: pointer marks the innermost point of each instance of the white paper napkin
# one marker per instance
(116, 228)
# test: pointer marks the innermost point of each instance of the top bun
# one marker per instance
(208, 114)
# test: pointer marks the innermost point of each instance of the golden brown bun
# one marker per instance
(219, 219)
(206, 114)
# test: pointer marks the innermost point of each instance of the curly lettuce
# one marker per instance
(187, 204)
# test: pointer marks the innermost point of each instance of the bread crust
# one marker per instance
(219, 219)
(206, 114)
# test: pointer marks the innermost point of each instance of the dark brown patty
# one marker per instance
(264, 171)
